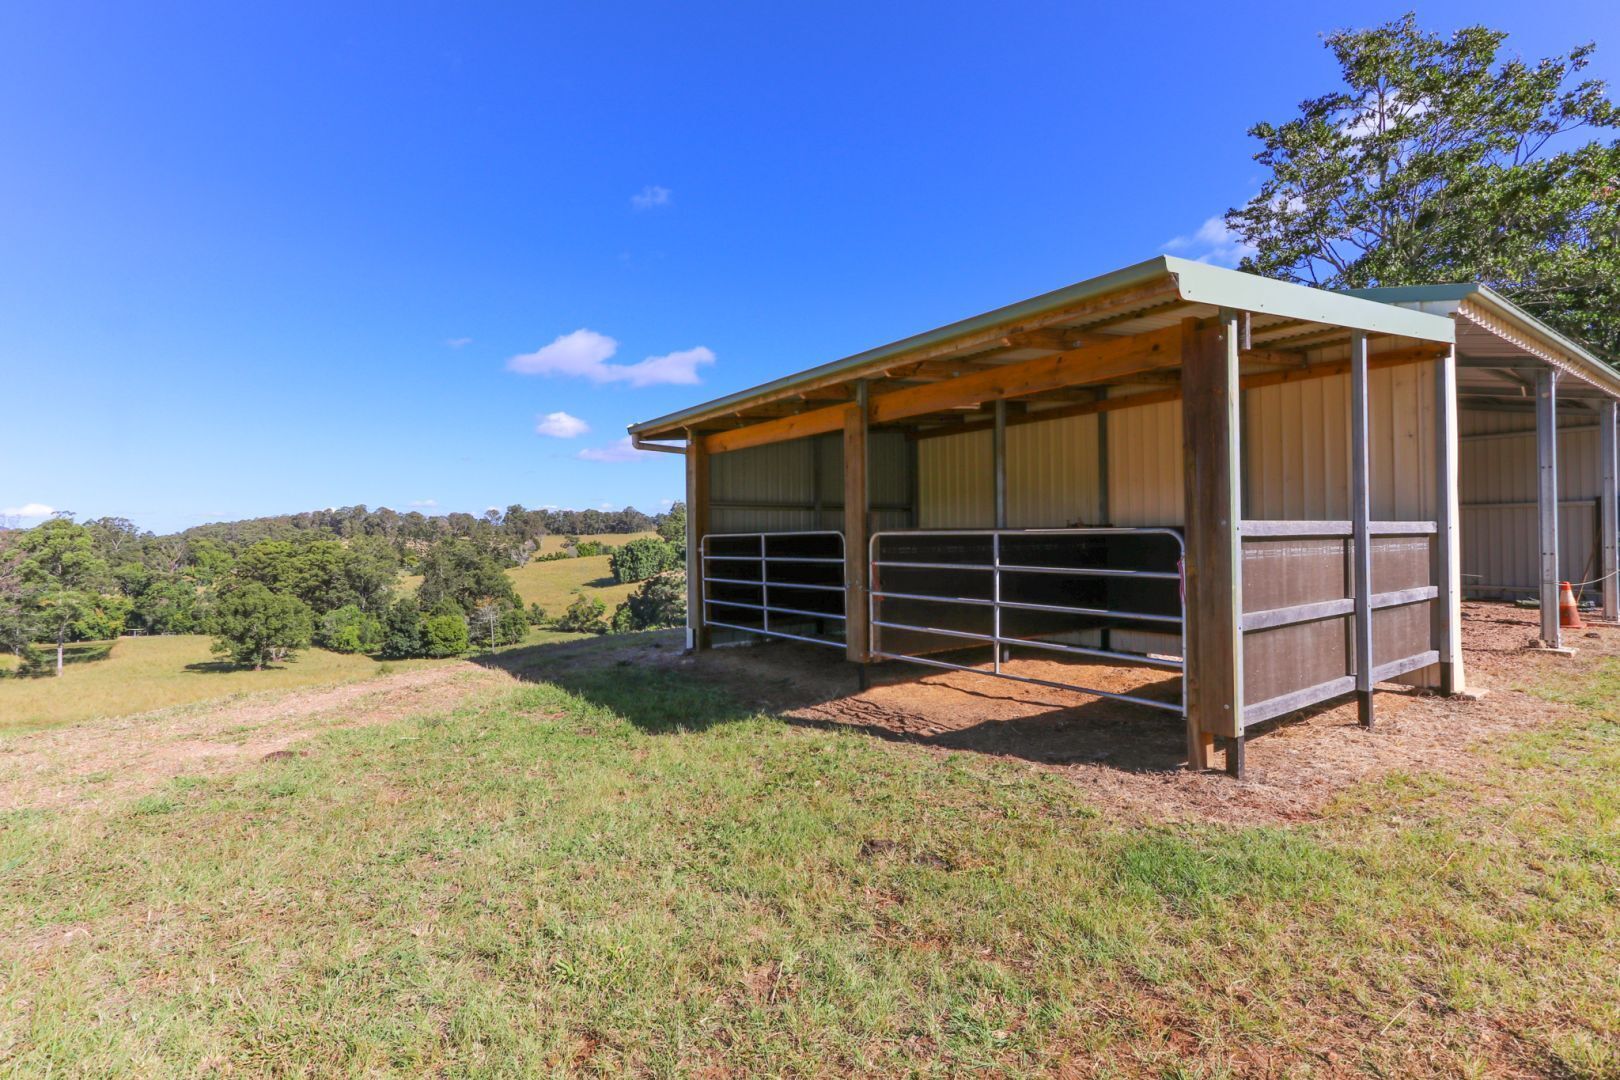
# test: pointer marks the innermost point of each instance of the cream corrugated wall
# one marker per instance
(1296, 452)
(1052, 474)
(1051, 477)
(784, 474)
(955, 482)
(1500, 538)
(1297, 447)
(1144, 466)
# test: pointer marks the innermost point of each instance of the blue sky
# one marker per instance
(267, 258)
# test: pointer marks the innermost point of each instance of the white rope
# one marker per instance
(1594, 581)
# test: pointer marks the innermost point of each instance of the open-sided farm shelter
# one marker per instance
(1182, 486)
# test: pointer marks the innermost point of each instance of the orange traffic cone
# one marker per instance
(1569, 616)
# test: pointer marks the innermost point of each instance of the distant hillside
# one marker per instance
(515, 529)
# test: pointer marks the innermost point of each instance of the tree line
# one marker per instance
(515, 533)
(269, 587)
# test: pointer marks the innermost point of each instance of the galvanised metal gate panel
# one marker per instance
(780, 584)
(935, 590)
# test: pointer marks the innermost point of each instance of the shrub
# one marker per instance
(514, 625)
(444, 635)
(102, 619)
(537, 615)
(349, 630)
(658, 603)
(584, 616)
(642, 559)
(253, 625)
(402, 630)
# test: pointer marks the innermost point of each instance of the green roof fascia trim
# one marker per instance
(1196, 282)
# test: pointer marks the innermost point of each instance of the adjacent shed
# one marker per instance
(1536, 450)
(1177, 485)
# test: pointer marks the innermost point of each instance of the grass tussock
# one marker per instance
(630, 875)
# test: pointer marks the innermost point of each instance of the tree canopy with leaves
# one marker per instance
(1441, 159)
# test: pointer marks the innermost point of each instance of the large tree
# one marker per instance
(62, 576)
(466, 574)
(1442, 159)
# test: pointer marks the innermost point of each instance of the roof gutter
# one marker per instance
(640, 444)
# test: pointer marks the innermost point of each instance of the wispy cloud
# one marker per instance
(424, 504)
(1213, 242)
(584, 354)
(28, 511)
(458, 342)
(560, 425)
(618, 451)
(651, 196)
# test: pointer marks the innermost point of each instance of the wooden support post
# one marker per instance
(1447, 622)
(1547, 502)
(998, 458)
(697, 527)
(1235, 765)
(1609, 505)
(856, 560)
(1360, 528)
(1212, 464)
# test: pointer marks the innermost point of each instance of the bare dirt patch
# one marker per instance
(92, 763)
(1133, 757)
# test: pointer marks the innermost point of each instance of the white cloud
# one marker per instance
(1375, 115)
(559, 425)
(622, 450)
(458, 342)
(650, 196)
(1212, 243)
(585, 354)
(424, 504)
(27, 511)
(678, 368)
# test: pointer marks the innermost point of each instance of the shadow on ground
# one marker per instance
(647, 679)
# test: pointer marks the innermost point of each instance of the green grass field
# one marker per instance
(552, 585)
(137, 674)
(555, 543)
(619, 871)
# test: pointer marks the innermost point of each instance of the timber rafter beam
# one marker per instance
(1120, 358)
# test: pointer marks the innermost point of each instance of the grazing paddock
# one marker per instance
(617, 867)
(552, 585)
(138, 674)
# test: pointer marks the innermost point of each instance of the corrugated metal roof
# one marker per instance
(1196, 284)
(1448, 299)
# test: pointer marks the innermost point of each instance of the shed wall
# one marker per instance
(778, 487)
(1498, 488)
(1297, 448)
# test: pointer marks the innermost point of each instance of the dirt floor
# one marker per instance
(1133, 757)
(83, 765)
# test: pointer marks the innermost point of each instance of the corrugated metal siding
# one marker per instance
(779, 474)
(1297, 447)
(1144, 466)
(1296, 451)
(1052, 474)
(955, 482)
(1500, 541)
(779, 479)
